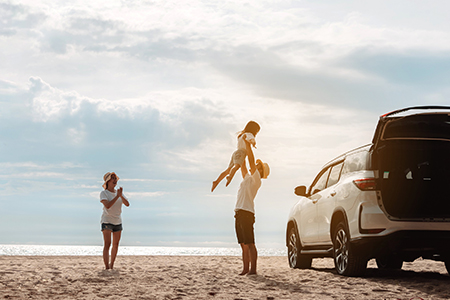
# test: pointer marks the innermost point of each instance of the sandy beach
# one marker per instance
(210, 277)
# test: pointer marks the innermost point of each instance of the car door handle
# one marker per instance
(332, 194)
(315, 201)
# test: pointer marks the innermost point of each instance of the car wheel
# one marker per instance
(296, 259)
(347, 260)
(389, 263)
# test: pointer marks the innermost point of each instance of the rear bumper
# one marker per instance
(408, 244)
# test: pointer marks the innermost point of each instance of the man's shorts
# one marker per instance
(244, 227)
(238, 158)
(111, 227)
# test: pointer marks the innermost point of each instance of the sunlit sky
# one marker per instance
(156, 91)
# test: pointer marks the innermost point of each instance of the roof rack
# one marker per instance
(411, 108)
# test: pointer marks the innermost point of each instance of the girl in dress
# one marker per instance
(238, 158)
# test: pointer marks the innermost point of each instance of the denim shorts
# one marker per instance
(112, 227)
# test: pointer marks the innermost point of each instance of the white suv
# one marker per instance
(388, 200)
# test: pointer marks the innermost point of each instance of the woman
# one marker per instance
(112, 200)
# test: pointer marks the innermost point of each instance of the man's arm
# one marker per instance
(251, 158)
(244, 170)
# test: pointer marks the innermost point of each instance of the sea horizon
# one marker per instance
(84, 250)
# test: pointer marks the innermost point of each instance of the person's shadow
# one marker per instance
(109, 273)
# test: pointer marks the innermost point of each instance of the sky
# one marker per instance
(156, 91)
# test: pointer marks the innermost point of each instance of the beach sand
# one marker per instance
(210, 277)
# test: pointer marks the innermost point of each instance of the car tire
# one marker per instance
(295, 258)
(347, 260)
(389, 263)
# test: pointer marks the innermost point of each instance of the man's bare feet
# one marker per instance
(214, 185)
(252, 273)
(243, 273)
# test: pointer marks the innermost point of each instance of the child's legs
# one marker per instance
(223, 174)
(219, 179)
(232, 172)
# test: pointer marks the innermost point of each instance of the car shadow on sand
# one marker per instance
(429, 282)
(399, 282)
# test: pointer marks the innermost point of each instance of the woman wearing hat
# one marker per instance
(112, 201)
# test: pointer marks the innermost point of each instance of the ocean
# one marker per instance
(52, 250)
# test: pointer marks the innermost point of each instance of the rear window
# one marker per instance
(431, 126)
(355, 162)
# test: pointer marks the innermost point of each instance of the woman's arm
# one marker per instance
(124, 200)
(119, 194)
(108, 204)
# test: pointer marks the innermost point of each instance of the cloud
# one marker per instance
(16, 17)
(416, 68)
(310, 61)
(49, 102)
(65, 126)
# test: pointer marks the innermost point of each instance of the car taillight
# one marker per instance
(366, 184)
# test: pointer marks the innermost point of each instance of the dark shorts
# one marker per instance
(244, 227)
(112, 227)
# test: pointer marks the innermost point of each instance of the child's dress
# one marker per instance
(239, 155)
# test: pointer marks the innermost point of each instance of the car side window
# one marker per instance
(335, 174)
(321, 182)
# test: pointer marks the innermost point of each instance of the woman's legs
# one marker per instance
(106, 246)
(115, 248)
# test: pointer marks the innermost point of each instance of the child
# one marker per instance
(238, 158)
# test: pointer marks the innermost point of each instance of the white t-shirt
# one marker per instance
(246, 137)
(247, 192)
(111, 215)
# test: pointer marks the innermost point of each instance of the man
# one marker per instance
(245, 210)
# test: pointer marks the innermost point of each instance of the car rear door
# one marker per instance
(327, 204)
